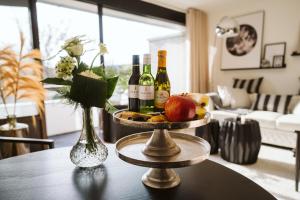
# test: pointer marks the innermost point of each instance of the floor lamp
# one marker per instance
(227, 27)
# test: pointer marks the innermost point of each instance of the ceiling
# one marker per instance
(183, 5)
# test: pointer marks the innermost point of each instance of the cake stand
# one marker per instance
(161, 150)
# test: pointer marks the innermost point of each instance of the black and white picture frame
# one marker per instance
(244, 51)
(274, 55)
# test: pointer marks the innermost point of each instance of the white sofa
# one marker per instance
(276, 128)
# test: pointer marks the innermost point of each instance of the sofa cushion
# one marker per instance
(250, 85)
(288, 122)
(294, 106)
(266, 119)
(272, 102)
(234, 97)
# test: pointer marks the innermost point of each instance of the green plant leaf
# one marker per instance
(99, 71)
(88, 91)
(111, 85)
(82, 67)
(57, 81)
(110, 108)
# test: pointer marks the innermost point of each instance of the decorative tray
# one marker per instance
(193, 150)
(162, 150)
(161, 125)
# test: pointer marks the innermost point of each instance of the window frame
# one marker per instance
(135, 7)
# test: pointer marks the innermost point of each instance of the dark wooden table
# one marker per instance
(50, 175)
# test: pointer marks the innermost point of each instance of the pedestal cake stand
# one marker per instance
(162, 150)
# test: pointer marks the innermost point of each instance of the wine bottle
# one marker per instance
(162, 85)
(133, 85)
(146, 87)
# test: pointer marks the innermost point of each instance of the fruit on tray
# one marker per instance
(198, 98)
(135, 116)
(158, 118)
(180, 108)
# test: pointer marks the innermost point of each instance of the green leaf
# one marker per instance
(57, 81)
(88, 91)
(99, 71)
(110, 108)
(82, 67)
(111, 85)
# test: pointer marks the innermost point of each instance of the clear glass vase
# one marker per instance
(89, 151)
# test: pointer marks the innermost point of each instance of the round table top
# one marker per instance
(49, 174)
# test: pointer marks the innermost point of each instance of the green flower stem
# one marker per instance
(89, 129)
(98, 54)
(78, 60)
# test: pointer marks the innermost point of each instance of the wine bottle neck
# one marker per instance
(135, 69)
(161, 69)
(147, 69)
(161, 62)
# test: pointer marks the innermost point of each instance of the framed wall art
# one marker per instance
(244, 50)
(274, 55)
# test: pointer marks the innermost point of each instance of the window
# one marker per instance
(126, 35)
(14, 20)
(58, 23)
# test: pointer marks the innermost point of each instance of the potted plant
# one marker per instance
(20, 75)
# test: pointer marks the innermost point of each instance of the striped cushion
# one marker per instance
(272, 102)
(250, 85)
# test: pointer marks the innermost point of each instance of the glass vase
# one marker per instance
(89, 151)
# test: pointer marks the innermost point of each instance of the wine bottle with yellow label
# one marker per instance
(162, 85)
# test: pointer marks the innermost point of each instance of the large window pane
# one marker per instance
(13, 20)
(58, 23)
(126, 35)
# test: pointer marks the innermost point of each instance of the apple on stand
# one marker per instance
(180, 108)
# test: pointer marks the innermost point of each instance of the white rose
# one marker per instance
(73, 46)
(75, 50)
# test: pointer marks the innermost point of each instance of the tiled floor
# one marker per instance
(274, 170)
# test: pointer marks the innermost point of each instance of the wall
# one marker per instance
(176, 60)
(282, 23)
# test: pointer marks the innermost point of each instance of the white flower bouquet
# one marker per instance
(85, 84)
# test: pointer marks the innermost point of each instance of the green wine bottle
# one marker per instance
(146, 87)
(162, 84)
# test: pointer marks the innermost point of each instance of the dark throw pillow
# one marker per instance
(250, 85)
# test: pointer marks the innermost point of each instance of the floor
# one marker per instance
(274, 170)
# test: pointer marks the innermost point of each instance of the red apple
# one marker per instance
(180, 108)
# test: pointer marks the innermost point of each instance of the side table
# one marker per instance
(210, 133)
(240, 142)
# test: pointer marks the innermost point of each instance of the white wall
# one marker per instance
(176, 60)
(282, 24)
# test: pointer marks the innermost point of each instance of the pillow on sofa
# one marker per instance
(294, 106)
(272, 102)
(250, 85)
(224, 94)
(233, 97)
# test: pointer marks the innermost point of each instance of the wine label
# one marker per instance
(146, 92)
(133, 91)
(161, 96)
